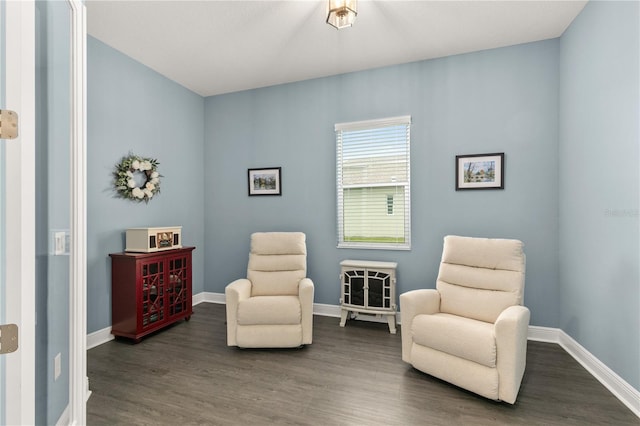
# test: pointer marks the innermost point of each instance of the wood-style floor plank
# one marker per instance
(354, 375)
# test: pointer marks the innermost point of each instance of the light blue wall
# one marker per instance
(502, 100)
(52, 174)
(600, 185)
(134, 109)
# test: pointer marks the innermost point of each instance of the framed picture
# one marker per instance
(480, 171)
(265, 181)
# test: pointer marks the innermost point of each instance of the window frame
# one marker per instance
(340, 129)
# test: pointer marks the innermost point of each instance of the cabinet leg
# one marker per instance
(343, 317)
(187, 318)
(391, 319)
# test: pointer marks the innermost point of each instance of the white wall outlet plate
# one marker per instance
(60, 242)
(57, 366)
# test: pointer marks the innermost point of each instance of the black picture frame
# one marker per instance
(265, 181)
(480, 171)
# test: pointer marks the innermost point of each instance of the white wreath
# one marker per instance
(125, 178)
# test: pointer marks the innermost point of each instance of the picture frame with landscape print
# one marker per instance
(265, 181)
(480, 171)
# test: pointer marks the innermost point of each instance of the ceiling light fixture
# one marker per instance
(342, 13)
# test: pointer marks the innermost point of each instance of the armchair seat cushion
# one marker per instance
(461, 337)
(269, 310)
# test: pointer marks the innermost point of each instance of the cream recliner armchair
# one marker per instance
(273, 306)
(472, 329)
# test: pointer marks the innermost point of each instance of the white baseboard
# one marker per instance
(99, 337)
(209, 297)
(87, 391)
(543, 334)
(65, 417)
(325, 310)
(622, 390)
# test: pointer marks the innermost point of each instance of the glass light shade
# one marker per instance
(342, 13)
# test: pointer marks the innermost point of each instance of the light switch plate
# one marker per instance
(57, 366)
(60, 242)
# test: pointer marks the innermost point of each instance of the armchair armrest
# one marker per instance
(511, 330)
(234, 293)
(412, 303)
(305, 294)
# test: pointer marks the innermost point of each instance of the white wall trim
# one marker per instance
(99, 337)
(208, 297)
(86, 387)
(326, 310)
(544, 334)
(78, 391)
(622, 390)
(65, 417)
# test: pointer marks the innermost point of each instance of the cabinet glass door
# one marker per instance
(177, 291)
(153, 290)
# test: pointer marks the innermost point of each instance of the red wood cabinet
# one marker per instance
(149, 291)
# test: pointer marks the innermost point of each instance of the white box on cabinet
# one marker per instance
(149, 240)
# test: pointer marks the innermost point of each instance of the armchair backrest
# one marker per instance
(277, 263)
(480, 277)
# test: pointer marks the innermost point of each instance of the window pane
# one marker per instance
(366, 218)
(373, 184)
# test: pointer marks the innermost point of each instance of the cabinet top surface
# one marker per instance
(369, 264)
(152, 254)
(154, 228)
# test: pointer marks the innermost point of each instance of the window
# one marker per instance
(373, 183)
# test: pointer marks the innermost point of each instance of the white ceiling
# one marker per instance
(214, 47)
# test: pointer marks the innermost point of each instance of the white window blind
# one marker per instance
(373, 185)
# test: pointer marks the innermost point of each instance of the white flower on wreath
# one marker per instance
(137, 192)
(131, 170)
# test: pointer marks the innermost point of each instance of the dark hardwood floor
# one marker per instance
(186, 374)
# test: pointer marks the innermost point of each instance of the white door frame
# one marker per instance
(20, 215)
(20, 211)
(78, 380)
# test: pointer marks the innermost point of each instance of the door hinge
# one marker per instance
(8, 124)
(8, 338)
